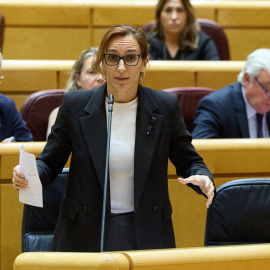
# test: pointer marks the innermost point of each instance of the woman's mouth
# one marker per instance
(121, 78)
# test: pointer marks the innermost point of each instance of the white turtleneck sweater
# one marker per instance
(121, 160)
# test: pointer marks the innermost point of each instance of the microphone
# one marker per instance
(110, 109)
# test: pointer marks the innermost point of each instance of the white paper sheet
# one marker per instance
(32, 194)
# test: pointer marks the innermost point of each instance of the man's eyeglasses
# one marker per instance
(267, 92)
(114, 59)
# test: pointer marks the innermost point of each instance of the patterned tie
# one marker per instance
(259, 125)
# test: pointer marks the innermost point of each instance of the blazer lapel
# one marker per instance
(240, 111)
(94, 128)
(148, 127)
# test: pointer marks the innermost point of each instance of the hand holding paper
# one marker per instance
(32, 193)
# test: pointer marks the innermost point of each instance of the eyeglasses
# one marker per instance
(114, 59)
(1, 78)
(267, 92)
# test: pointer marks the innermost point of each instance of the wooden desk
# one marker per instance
(62, 29)
(23, 77)
(242, 257)
(227, 160)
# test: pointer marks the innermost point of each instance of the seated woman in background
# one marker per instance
(176, 35)
(82, 77)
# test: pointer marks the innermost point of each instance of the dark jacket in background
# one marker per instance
(206, 49)
(11, 122)
(222, 114)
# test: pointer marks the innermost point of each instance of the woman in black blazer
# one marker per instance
(147, 129)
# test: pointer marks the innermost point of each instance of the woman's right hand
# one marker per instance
(18, 180)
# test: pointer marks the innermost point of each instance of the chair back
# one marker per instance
(2, 30)
(213, 30)
(36, 110)
(188, 98)
(38, 223)
(240, 213)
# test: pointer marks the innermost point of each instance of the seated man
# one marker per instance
(242, 109)
(12, 126)
(11, 122)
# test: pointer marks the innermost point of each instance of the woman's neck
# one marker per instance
(123, 96)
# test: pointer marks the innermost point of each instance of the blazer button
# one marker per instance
(85, 209)
(154, 209)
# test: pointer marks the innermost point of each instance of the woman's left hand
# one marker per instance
(205, 184)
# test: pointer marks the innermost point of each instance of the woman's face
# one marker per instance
(122, 79)
(88, 79)
(173, 17)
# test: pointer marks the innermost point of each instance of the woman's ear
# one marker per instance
(77, 78)
(145, 62)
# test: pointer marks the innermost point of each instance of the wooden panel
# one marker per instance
(189, 215)
(243, 42)
(11, 221)
(46, 42)
(219, 74)
(28, 80)
(205, 13)
(98, 34)
(72, 261)
(63, 77)
(126, 13)
(227, 159)
(44, 15)
(248, 257)
(245, 14)
(166, 74)
(137, 13)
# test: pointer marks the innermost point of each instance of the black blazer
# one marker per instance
(81, 129)
(222, 114)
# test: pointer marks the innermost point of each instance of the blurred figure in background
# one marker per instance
(176, 34)
(239, 110)
(82, 77)
(12, 126)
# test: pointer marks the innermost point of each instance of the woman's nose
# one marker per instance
(99, 78)
(121, 64)
(174, 14)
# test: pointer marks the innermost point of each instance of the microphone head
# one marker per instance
(110, 99)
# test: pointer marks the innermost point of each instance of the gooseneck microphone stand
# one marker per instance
(110, 109)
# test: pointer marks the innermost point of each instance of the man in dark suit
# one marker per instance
(12, 126)
(242, 109)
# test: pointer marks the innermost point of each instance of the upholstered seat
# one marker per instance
(188, 98)
(36, 109)
(212, 29)
(240, 213)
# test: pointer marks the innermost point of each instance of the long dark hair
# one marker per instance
(189, 38)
